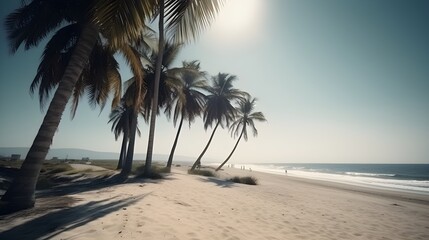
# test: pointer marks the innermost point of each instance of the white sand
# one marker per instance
(194, 207)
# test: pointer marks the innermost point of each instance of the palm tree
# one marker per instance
(127, 165)
(245, 117)
(167, 84)
(188, 98)
(219, 109)
(131, 118)
(136, 95)
(182, 21)
(120, 117)
(118, 20)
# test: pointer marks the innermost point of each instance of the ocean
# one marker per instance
(405, 177)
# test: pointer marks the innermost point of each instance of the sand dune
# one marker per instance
(193, 207)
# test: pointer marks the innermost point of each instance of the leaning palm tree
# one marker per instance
(246, 117)
(188, 99)
(219, 109)
(181, 21)
(118, 21)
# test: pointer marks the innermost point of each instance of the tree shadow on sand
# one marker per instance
(219, 182)
(95, 184)
(54, 223)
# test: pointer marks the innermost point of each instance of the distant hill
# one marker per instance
(75, 153)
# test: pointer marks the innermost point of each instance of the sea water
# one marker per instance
(405, 177)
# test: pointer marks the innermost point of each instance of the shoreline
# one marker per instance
(400, 194)
(183, 206)
(376, 183)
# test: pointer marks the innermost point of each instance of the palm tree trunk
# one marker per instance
(123, 153)
(233, 150)
(205, 149)
(148, 165)
(20, 194)
(170, 158)
(126, 170)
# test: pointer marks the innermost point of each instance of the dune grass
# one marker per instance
(53, 172)
(48, 172)
(156, 171)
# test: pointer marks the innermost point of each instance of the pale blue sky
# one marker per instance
(338, 81)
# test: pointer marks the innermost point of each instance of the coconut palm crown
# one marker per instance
(188, 92)
(246, 117)
(219, 106)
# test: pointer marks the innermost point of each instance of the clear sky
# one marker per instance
(338, 81)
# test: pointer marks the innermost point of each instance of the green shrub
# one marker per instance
(206, 173)
(245, 180)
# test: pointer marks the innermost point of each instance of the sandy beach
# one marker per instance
(183, 206)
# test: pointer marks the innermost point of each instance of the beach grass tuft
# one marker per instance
(156, 171)
(245, 180)
(46, 177)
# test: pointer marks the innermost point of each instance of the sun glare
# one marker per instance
(238, 18)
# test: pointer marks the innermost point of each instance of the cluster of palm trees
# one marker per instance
(184, 94)
(79, 58)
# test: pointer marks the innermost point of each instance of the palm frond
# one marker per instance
(122, 20)
(187, 19)
(33, 22)
(188, 87)
(55, 58)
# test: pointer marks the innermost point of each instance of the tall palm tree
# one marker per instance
(219, 109)
(188, 98)
(118, 20)
(127, 165)
(131, 117)
(120, 117)
(136, 89)
(167, 84)
(182, 21)
(246, 117)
